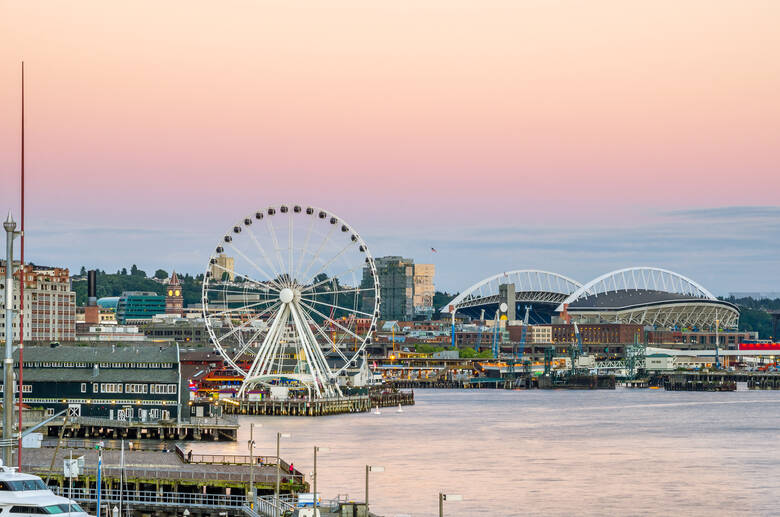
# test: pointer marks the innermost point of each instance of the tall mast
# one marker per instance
(21, 294)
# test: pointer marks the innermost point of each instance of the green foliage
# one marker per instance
(424, 348)
(161, 274)
(134, 271)
(753, 315)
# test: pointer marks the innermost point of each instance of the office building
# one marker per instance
(49, 304)
(139, 307)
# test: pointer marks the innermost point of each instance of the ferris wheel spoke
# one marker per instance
(237, 356)
(322, 332)
(305, 248)
(277, 248)
(333, 259)
(236, 309)
(333, 278)
(341, 291)
(291, 266)
(258, 268)
(245, 277)
(319, 250)
(265, 256)
(243, 325)
(332, 321)
(337, 307)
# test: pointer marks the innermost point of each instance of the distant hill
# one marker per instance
(753, 315)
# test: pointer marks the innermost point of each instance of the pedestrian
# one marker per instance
(292, 468)
(189, 456)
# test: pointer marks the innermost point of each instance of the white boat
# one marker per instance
(399, 410)
(25, 495)
(376, 412)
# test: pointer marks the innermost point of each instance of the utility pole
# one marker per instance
(315, 479)
(251, 493)
(8, 364)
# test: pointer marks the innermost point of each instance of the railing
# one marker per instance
(209, 422)
(194, 500)
(175, 474)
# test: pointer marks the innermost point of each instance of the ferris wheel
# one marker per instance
(290, 295)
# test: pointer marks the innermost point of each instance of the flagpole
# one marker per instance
(21, 296)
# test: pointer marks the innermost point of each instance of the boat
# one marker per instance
(376, 411)
(24, 495)
(399, 410)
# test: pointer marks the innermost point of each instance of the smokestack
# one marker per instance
(91, 288)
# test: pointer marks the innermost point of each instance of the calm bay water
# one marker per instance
(630, 452)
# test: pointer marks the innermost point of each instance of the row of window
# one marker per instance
(137, 388)
(26, 388)
(90, 365)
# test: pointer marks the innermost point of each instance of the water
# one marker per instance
(631, 452)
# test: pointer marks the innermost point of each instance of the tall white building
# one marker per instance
(49, 304)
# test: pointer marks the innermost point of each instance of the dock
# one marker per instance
(195, 428)
(317, 407)
(205, 484)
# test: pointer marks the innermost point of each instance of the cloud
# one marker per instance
(727, 212)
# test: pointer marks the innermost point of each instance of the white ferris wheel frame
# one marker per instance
(296, 306)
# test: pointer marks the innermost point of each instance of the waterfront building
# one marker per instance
(173, 328)
(108, 333)
(49, 304)
(396, 287)
(131, 383)
(223, 268)
(139, 307)
(424, 289)
(174, 301)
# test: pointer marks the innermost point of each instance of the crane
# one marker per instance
(495, 337)
(479, 336)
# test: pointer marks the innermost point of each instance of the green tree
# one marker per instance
(124, 271)
(161, 274)
(83, 271)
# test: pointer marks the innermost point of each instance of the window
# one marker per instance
(163, 389)
(95, 388)
(136, 388)
(83, 387)
(110, 387)
(49, 411)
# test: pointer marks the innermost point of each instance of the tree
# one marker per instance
(134, 271)
(161, 274)
(124, 271)
(83, 271)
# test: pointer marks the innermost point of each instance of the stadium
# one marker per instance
(636, 295)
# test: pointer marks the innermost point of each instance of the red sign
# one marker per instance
(759, 346)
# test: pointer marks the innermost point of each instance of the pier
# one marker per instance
(317, 407)
(196, 428)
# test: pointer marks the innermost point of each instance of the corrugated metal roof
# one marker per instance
(84, 354)
(151, 375)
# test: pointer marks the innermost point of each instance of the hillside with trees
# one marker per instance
(135, 279)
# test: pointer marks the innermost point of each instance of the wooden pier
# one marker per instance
(316, 407)
(164, 473)
(196, 428)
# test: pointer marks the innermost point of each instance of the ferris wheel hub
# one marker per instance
(286, 295)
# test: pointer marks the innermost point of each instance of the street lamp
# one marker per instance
(279, 436)
(316, 450)
(251, 444)
(371, 468)
(8, 366)
(447, 497)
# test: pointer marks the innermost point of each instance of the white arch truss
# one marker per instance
(640, 278)
(530, 285)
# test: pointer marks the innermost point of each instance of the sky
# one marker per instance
(571, 136)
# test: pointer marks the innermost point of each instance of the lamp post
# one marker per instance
(371, 468)
(279, 436)
(251, 444)
(316, 450)
(8, 364)
(447, 497)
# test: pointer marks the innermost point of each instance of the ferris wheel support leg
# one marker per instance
(270, 342)
(311, 348)
(265, 364)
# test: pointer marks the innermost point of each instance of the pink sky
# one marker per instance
(189, 114)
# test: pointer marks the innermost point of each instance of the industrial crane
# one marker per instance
(524, 332)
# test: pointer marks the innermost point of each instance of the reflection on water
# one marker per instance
(536, 452)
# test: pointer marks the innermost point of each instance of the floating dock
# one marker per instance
(195, 428)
